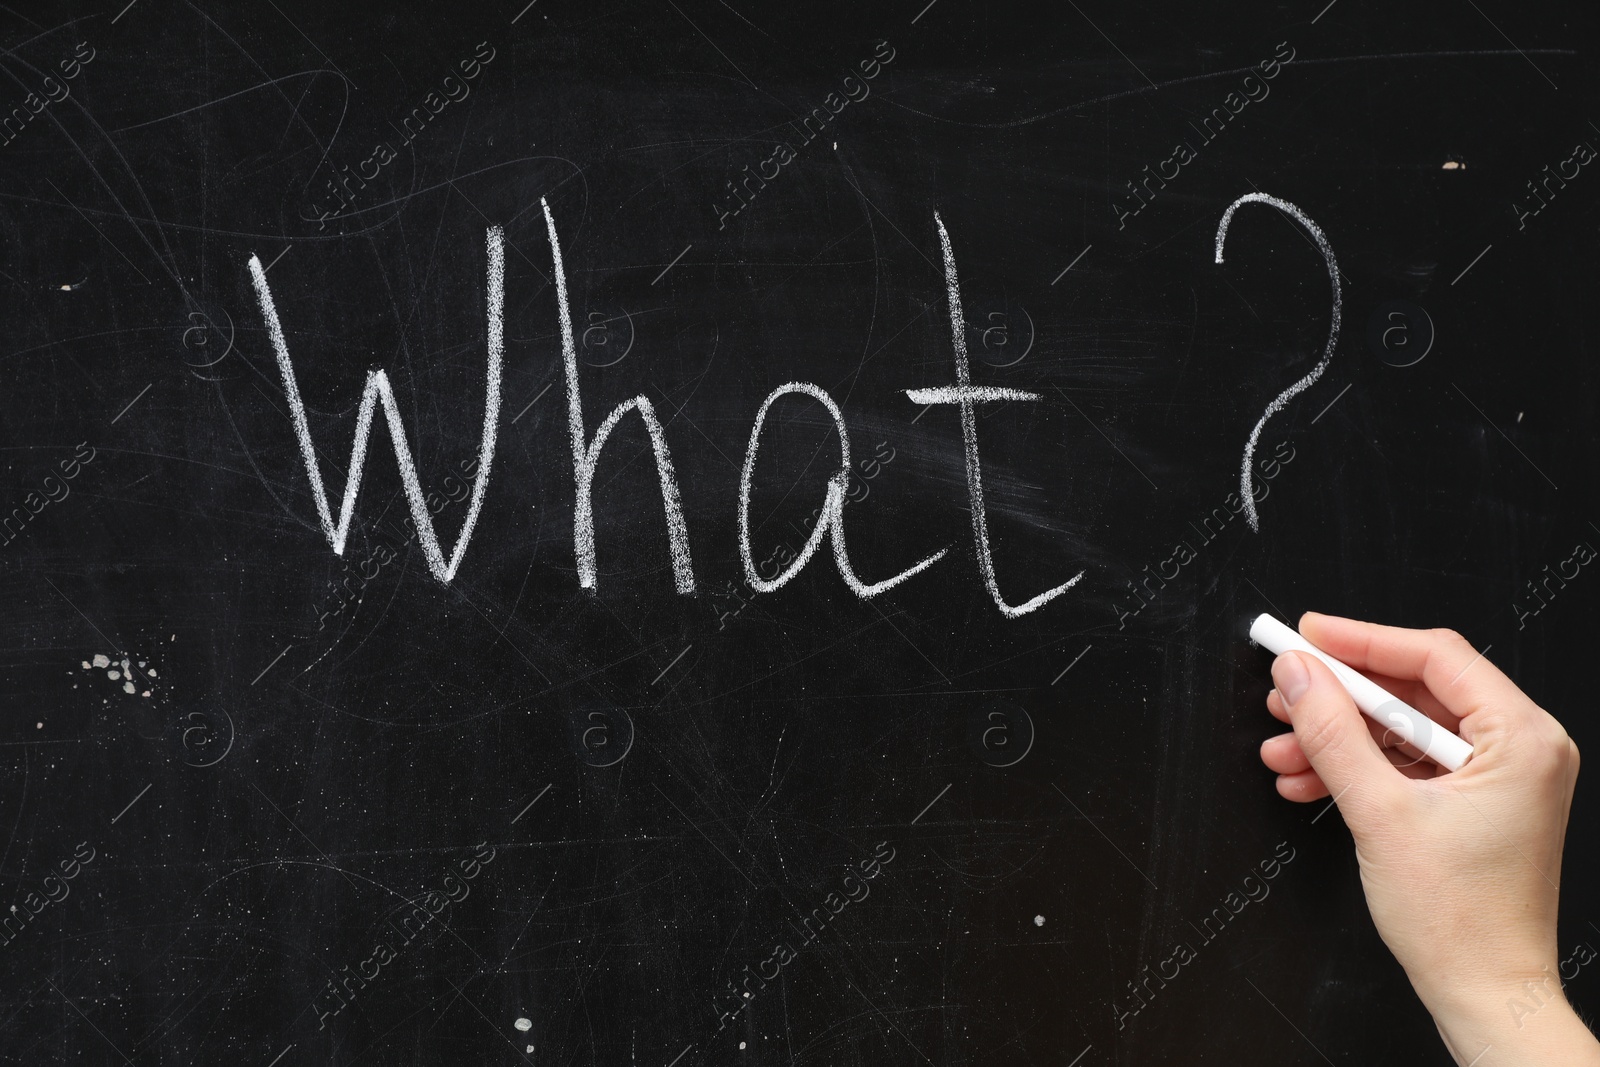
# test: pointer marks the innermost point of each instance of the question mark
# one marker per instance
(1246, 477)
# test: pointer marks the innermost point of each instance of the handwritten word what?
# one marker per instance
(587, 447)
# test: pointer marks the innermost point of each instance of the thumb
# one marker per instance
(1330, 729)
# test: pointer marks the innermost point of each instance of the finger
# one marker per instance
(1301, 788)
(1410, 690)
(1417, 694)
(1454, 672)
(1332, 732)
(1403, 756)
(1283, 754)
(1406, 758)
(1417, 769)
(1387, 737)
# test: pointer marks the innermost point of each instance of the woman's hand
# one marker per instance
(1461, 869)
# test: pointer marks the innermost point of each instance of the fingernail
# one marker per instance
(1291, 677)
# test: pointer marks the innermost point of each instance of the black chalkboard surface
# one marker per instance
(374, 698)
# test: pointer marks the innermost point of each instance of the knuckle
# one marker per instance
(1552, 753)
(1446, 636)
(1562, 751)
(1319, 733)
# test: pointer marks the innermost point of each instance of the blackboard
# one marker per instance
(484, 797)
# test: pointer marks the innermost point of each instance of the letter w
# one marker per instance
(377, 389)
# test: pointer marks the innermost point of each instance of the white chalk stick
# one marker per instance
(1410, 725)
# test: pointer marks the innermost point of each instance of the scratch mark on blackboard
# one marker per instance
(1069, 266)
(132, 402)
(312, 43)
(1474, 263)
(1108, 440)
(1502, 433)
(270, 82)
(102, 234)
(530, 403)
(932, 802)
(671, 665)
(1071, 665)
(674, 262)
(703, 834)
(719, 51)
(1113, 44)
(532, 802)
(92, 626)
(912, 643)
(890, 1021)
(677, 410)
(914, 246)
(500, 630)
(302, 833)
(1292, 1026)
(277, 257)
(79, 1010)
(1102, 833)
(22, 803)
(488, 1020)
(1332, 402)
(131, 803)
(273, 664)
(1281, 613)
(1520, 52)
(1169, 83)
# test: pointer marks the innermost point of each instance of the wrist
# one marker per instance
(1529, 1025)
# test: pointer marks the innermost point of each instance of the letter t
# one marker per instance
(965, 394)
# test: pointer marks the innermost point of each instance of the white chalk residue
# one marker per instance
(832, 517)
(965, 394)
(122, 670)
(586, 457)
(1246, 477)
(377, 389)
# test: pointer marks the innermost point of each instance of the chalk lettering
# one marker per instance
(1245, 476)
(377, 388)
